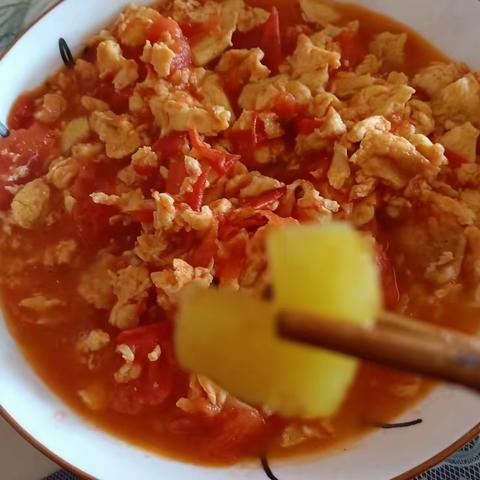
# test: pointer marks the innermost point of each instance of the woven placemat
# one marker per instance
(464, 465)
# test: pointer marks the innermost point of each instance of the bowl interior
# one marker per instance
(448, 413)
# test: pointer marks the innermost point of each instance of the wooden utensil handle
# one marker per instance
(440, 354)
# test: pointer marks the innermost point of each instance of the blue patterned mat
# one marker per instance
(464, 465)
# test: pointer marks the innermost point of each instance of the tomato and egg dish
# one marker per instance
(183, 135)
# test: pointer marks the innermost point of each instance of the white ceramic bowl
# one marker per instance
(449, 415)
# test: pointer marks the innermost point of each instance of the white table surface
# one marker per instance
(19, 460)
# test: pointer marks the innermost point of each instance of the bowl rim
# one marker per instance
(23, 432)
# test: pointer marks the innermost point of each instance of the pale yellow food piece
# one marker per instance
(328, 269)
(231, 337)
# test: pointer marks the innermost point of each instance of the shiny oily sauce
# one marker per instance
(45, 259)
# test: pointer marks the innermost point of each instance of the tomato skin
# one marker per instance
(222, 162)
(454, 159)
(205, 250)
(195, 197)
(231, 263)
(5, 198)
(265, 199)
(243, 426)
(196, 30)
(146, 170)
(353, 48)
(92, 221)
(311, 162)
(242, 219)
(151, 389)
(156, 383)
(245, 142)
(162, 26)
(271, 42)
(391, 293)
(118, 100)
(169, 146)
(142, 340)
(290, 40)
(267, 37)
(286, 106)
(306, 126)
(181, 47)
(177, 173)
(231, 433)
(30, 148)
(236, 430)
(183, 58)
(142, 216)
(247, 40)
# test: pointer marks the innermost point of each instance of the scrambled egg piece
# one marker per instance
(62, 172)
(383, 100)
(322, 102)
(263, 95)
(204, 397)
(95, 285)
(339, 170)
(310, 64)
(421, 115)
(316, 11)
(332, 127)
(53, 106)
(438, 75)
(462, 140)
(370, 64)
(75, 131)
(130, 286)
(91, 104)
(30, 203)
(458, 102)
(347, 84)
(61, 254)
(309, 205)
(93, 341)
(251, 17)
(252, 184)
(360, 129)
(392, 159)
(117, 132)
(133, 25)
(178, 111)
(442, 203)
(112, 63)
(213, 95)
(390, 48)
(217, 41)
(144, 159)
(244, 63)
(40, 304)
(160, 56)
(170, 282)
